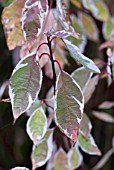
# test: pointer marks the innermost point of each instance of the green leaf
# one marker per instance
(42, 152)
(61, 160)
(88, 145)
(82, 77)
(89, 27)
(25, 84)
(90, 88)
(78, 56)
(74, 158)
(108, 28)
(35, 106)
(37, 125)
(85, 126)
(98, 9)
(69, 105)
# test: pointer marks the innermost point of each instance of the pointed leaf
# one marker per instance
(103, 116)
(89, 27)
(37, 125)
(74, 158)
(42, 152)
(12, 24)
(25, 85)
(82, 77)
(33, 18)
(61, 160)
(76, 54)
(88, 145)
(85, 126)
(90, 88)
(68, 106)
(106, 105)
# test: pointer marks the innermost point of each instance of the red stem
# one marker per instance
(55, 61)
(45, 54)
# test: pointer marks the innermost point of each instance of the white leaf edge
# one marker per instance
(12, 95)
(49, 153)
(80, 104)
(91, 65)
(30, 133)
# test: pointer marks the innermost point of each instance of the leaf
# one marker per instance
(89, 27)
(98, 9)
(69, 105)
(25, 85)
(82, 77)
(90, 88)
(85, 126)
(61, 160)
(106, 105)
(80, 43)
(12, 24)
(37, 104)
(88, 145)
(64, 17)
(20, 168)
(103, 116)
(103, 160)
(74, 158)
(33, 18)
(37, 125)
(108, 28)
(76, 3)
(76, 54)
(42, 152)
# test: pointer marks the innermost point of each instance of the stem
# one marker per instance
(55, 61)
(40, 46)
(52, 62)
(45, 54)
(53, 38)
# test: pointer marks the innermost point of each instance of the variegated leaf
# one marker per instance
(33, 18)
(88, 145)
(82, 77)
(37, 125)
(42, 152)
(25, 84)
(69, 105)
(78, 56)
